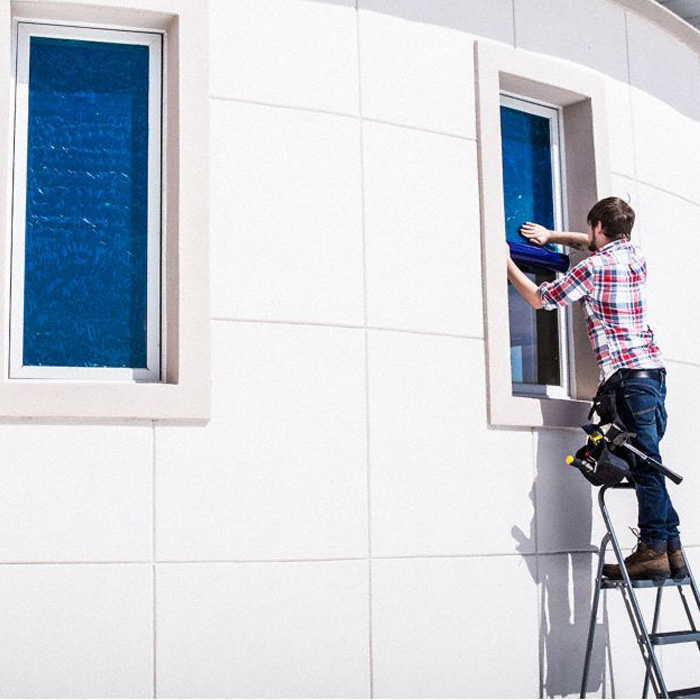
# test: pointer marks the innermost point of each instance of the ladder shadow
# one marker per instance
(564, 568)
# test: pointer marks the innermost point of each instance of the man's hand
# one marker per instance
(539, 235)
(535, 233)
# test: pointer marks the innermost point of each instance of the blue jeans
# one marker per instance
(640, 405)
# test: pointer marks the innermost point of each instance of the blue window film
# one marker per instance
(528, 196)
(85, 286)
(527, 185)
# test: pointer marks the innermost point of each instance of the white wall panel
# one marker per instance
(76, 493)
(483, 18)
(280, 472)
(591, 33)
(667, 146)
(678, 446)
(422, 228)
(416, 73)
(438, 474)
(620, 131)
(301, 53)
(263, 630)
(286, 215)
(670, 226)
(455, 628)
(663, 67)
(76, 631)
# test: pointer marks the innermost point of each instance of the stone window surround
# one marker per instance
(184, 394)
(581, 95)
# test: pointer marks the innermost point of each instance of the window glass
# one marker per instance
(534, 337)
(527, 171)
(86, 228)
(529, 188)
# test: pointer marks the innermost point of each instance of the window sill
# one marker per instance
(534, 412)
(88, 400)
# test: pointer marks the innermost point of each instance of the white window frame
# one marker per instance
(556, 137)
(154, 40)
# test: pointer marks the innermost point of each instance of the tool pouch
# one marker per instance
(610, 469)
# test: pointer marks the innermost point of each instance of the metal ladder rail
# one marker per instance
(632, 605)
(645, 641)
(654, 629)
(657, 611)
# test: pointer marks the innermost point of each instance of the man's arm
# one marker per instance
(523, 285)
(535, 233)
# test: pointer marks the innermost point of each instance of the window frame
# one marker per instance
(558, 164)
(154, 40)
(582, 95)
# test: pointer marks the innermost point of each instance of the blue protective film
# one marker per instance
(534, 256)
(87, 204)
(527, 184)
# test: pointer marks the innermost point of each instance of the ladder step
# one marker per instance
(645, 583)
(674, 637)
(685, 693)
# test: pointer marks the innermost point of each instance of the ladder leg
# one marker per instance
(594, 615)
(651, 663)
(689, 615)
(693, 584)
(654, 628)
(633, 609)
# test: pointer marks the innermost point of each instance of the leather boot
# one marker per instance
(644, 563)
(677, 563)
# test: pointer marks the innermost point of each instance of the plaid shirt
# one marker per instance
(611, 287)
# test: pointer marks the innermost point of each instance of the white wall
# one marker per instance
(347, 524)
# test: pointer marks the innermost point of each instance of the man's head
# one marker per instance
(609, 220)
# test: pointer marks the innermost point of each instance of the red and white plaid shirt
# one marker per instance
(611, 287)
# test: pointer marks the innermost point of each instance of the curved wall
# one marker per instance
(348, 524)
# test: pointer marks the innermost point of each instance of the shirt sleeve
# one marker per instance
(575, 284)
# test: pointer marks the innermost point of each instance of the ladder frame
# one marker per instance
(627, 588)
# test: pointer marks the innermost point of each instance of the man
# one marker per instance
(611, 284)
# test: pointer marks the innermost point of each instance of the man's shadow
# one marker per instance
(564, 569)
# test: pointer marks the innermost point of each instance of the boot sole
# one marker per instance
(651, 577)
(645, 577)
(681, 573)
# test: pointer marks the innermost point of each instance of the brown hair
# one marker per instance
(616, 216)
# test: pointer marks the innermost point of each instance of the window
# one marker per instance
(560, 107)
(531, 157)
(86, 225)
(139, 337)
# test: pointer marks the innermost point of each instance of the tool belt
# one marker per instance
(604, 401)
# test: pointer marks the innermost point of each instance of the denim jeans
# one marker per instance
(640, 405)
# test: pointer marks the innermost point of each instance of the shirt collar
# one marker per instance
(614, 245)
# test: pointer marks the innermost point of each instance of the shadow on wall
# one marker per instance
(564, 572)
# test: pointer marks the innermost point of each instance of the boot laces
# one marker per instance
(635, 550)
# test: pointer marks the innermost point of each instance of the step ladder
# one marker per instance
(646, 640)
